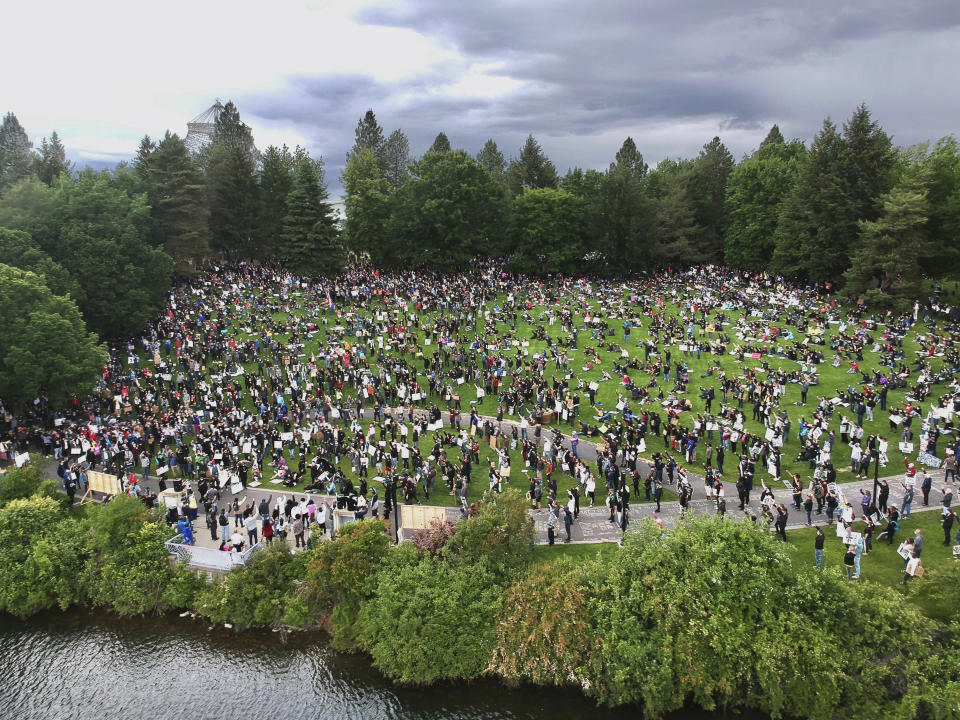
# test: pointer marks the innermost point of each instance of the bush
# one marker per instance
(255, 594)
(543, 633)
(19, 483)
(500, 533)
(41, 557)
(340, 574)
(431, 621)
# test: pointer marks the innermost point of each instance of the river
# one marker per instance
(87, 667)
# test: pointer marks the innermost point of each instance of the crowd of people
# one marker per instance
(378, 388)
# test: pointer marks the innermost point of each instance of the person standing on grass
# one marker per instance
(818, 549)
(848, 560)
(912, 568)
(857, 554)
(947, 524)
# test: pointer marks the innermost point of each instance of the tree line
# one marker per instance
(851, 208)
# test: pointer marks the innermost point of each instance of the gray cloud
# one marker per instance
(670, 74)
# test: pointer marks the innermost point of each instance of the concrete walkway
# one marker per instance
(592, 524)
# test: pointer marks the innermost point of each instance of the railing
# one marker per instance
(209, 558)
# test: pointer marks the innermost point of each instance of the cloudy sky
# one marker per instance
(580, 76)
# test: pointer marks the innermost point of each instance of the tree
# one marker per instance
(19, 250)
(276, 179)
(629, 160)
(19, 483)
(26, 203)
(491, 159)
(677, 230)
(15, 157)
(141, 163)
(41, 557)
(177, 196)
(531, 170)
(99, 233)
(396, 157)
(839, 185)
(774, 137)
(230, 165)
(886, 264)
(52, 160)
(708, 188)
(45, 348)
(311, 245)
(441, 144)
(941, 169)
(369, 135)
(548, 231)
(810, 239)
(628, 232)
(366, 206)
(755, 193)
(449, 211)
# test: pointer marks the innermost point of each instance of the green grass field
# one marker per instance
(830, 379)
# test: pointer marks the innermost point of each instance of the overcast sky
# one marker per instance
(580, 76)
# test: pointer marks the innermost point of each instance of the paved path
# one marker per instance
(593, 525)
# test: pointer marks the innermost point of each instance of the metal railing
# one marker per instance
(209, 558)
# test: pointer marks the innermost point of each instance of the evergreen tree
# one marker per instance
(141, 163)
(531, 170)
(774, 137)
(369, 135)
(839, 185)
(276, 180)
(366, 194)
(233, 196)
(492, 159)
(311, 245)
(15, 157)
(755, 194)
(396, 154)
(52, 160)
(941, 167)
(629, 160)
(708, 191)
(441, 144)
(886, 266)
(809, 241)
(177, 196)
(678, 233)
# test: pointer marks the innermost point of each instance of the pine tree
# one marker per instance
(15, 157)
(369, 135)
(396, 153)
(233, 195)
(886, 267)
(141, 163)
(492, 159)
(177, 196)
(629, 159)
(276, 180)
(531, 170)
(441, 144)
(366, 201)
(774, 137)
(52, 160)
(311, 245)
(712, 168)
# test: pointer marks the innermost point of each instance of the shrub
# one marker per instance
(500, 533)
(431, 621)
(19, 483)
(255, 594)
(431, 540)
(41, 557)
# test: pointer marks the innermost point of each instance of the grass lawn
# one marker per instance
(830, 380)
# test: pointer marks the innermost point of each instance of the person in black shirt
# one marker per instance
(818, 549)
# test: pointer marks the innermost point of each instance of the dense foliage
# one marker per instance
(713, 613)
